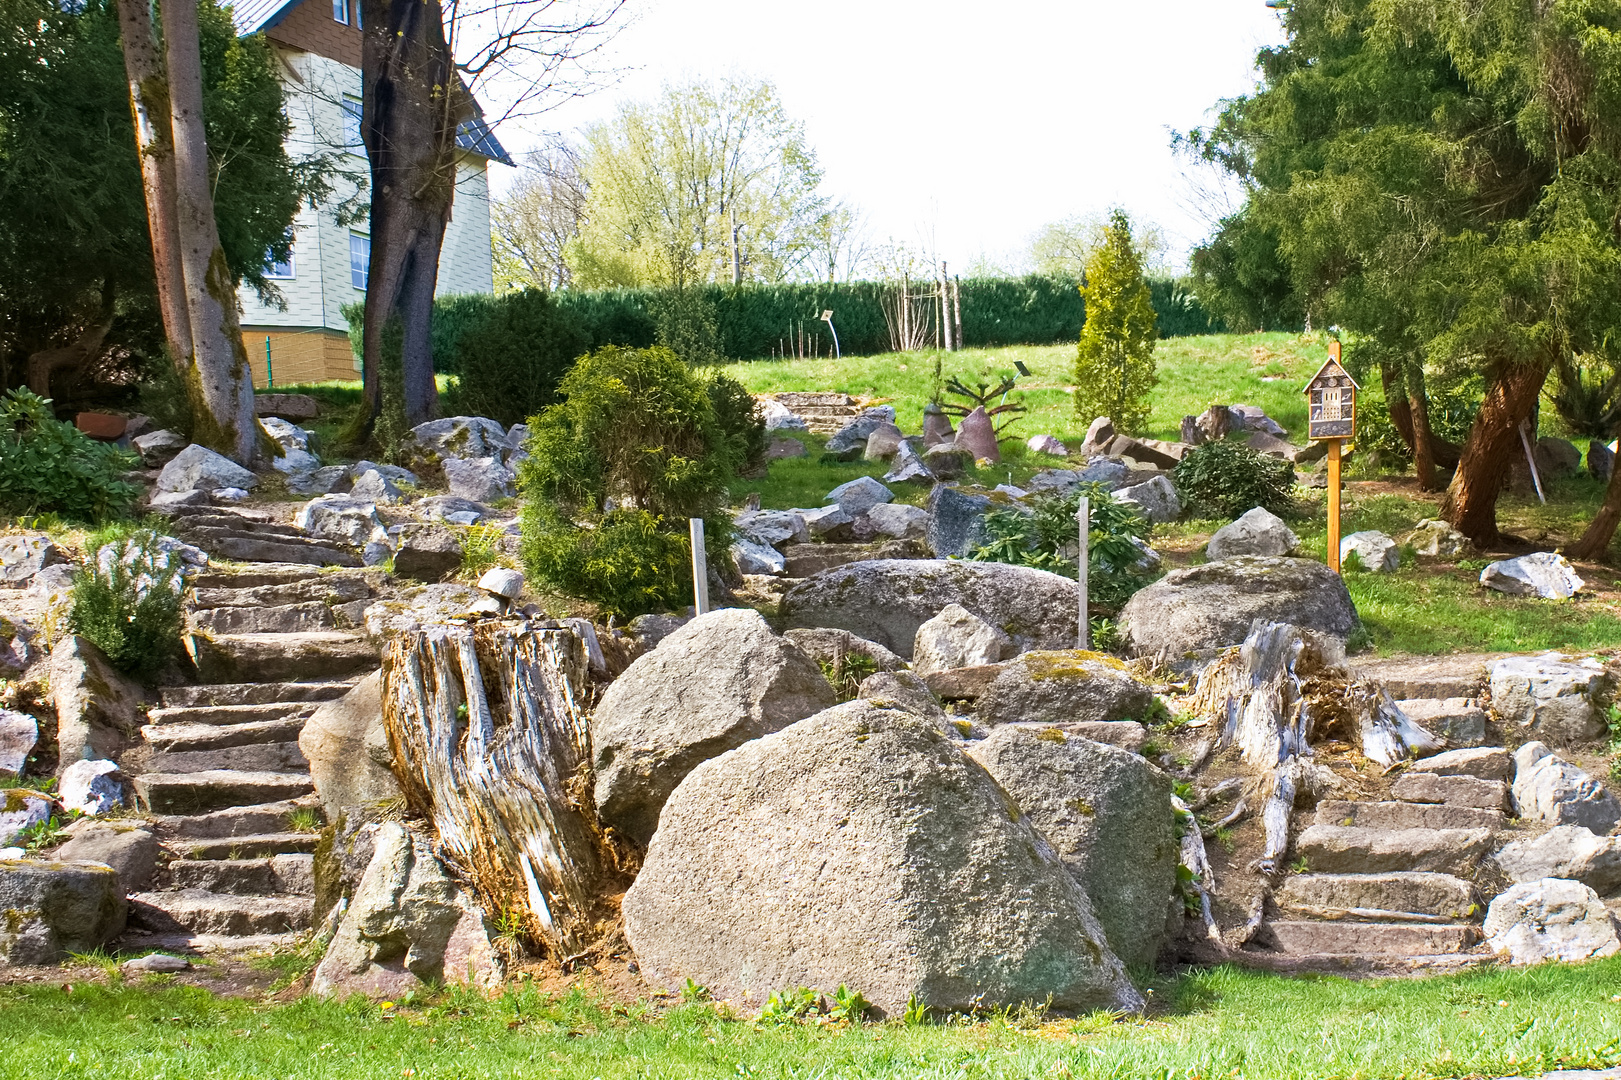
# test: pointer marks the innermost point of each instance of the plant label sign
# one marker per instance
(1331, 400)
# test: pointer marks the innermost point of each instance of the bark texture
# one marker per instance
(413, 102)
(490, 743)
(1494, 440)
(154, 142)
(1595, 541)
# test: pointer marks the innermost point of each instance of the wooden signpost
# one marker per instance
(1331, 418)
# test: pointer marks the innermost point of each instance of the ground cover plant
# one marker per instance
(49, 466)
(1203, 1025)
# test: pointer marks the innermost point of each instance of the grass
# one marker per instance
(1218, 1023)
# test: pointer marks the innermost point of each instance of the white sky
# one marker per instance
(970, 125)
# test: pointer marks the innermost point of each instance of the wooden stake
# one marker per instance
(1334, 505)
(1083, 634)
(700, 566)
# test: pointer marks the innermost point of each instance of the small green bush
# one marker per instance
(47, 466)
(508, 364)
(615, 470)
(1045, 534)
(741, 423)
(1226, 479)
(127, 603)
(1114, 362)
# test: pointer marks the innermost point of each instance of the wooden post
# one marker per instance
(1083, 564)
(700, 566)
(956, 308)
(1334, 505)
(945, 307)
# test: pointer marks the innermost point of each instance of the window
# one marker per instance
(279, 271)
(352, 140)
(340, 11)
(359, 259)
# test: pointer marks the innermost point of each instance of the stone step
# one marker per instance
(235, 821)
(1422, 787)
(244, 547)
(795, 399)
(230, 715)
(254, 575)
(1393, 895)
(199, 911)
(1338, 849)
(235, 523)
(1406, 815)
(1371, 939)
(278, 619)
(319, 654)
(254, 693)
(180, 738)
(1462, 676)
(199, 792)
(276, 757)
(289, 875)
(258, 846)
(182, 943)
(326, 588)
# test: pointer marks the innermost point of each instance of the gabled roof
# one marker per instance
(474, 136)
(252, 16)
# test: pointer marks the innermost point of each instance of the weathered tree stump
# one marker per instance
(491, 745)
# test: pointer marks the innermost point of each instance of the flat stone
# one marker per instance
(1457, 720)
(1424, 787)
(756, 558)
(503, 582)
(1341, 849)
(196, 911)
(131, 851)
(156, 964)
(295, 407)
(166, 793)
(1414, 893)
(1483, 763)
(778, 449)
(283, 619)
(773, 528)
(1127, 735)
(1406, 815)
(1370, 939)
(1046, 444)
(313, 655)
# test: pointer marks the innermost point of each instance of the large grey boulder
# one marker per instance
(97, 708)
(455, 437)
(903, 690)
(347, 519)
(407, 927)
(1192, 612)
(1064, 687)
(721, 680)
(861, 847)
(772, 528)
(1551, 919)
(1257, 532)
(1108, 815)
(829, 645)
(1154, 498)
(886, 600)
(56, 908)
(859, 495)
(294, 444)
(899, 520)
(427, 552)
(479, 479)
(957, 521)
(1436, 538)
(852, 437)
(1566, 851)
(957, 638)
(22, 557)
(197, 468)
(1544, 574)
(1549, 789)
(129, 849)
(752, 558)
(372, 486)
(1557, 699)
(348, 751)
(158, 448)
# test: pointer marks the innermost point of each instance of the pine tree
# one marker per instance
(1114, 366)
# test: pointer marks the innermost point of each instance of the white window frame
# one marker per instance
(340, 11)
(354, 139)
(365, 271)
(292, 268)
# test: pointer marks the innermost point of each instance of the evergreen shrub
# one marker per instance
(127, 603)
(49, 466)
(1226, 479)
(509, 363)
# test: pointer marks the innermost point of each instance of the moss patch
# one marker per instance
(1067, 664)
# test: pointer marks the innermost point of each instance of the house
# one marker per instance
(317, 46)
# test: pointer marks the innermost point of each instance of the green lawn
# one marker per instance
(1220, 1023)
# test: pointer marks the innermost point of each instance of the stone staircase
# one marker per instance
(1390, 881)
(221, 770)
(254, 536)
(823, 413)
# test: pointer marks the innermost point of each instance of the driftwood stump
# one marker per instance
(488, 729)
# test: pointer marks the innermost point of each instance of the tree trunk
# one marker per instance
(413, 102)
(219, 381)
(154, 141)
(1401, 415)
(1471, 500)
(490, 743)
(1423, 440)
(43, 365)
(1387, 734)
(1595, 541)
